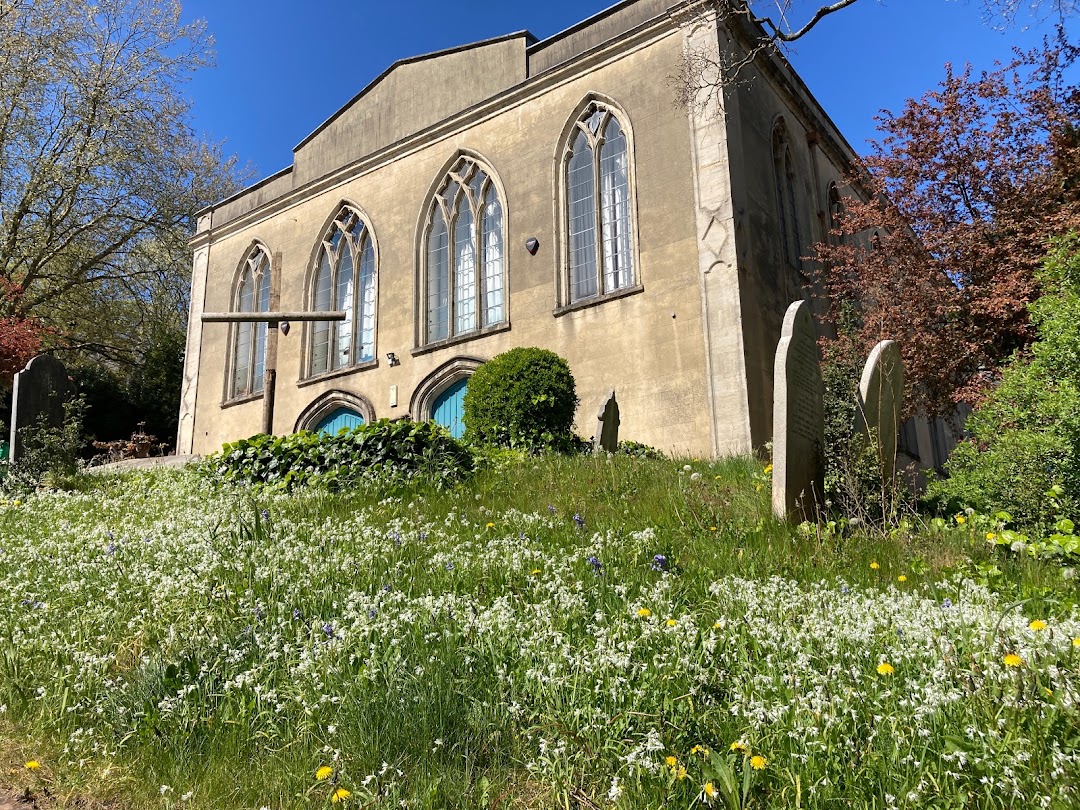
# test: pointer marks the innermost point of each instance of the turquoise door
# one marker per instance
(341, 418)
(449, 408)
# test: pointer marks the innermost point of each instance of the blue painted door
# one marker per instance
(449, 408)
(341, 418)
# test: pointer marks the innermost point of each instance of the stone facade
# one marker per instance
(718, 198)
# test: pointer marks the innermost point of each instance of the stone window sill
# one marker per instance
(243, 399)
(339, 372)
(596, 300)
(462, 338)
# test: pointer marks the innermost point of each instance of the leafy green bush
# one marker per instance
(383, 453)
(49, 455)
(523, 398)
(639, 450)
(1025, 437)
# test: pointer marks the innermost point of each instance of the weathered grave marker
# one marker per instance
(880, 399)
(798, 418)
(40, 389)
(607, 425)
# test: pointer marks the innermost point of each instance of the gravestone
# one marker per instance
(798, 418)
(40, 389)
(607, 425)
(880, 399)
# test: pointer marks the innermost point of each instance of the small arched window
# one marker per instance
(252, 294)
(463, 253)
(787, 210)
(344, 279)
(596, 180)
(836, 215)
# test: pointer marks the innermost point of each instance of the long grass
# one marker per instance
(560, 632)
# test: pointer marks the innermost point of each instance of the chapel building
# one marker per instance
(515, 192)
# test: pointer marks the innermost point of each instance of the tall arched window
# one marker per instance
(463, 252)
(787, 210)
(344, 279)
(836, 215)
(596, 179)
(249, 339)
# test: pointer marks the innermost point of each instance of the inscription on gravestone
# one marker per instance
(607, 425)
(881, 398)
(40, 389)
(798, 417)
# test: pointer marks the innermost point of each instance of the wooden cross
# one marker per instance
(274, 322)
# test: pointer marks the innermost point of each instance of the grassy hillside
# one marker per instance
(583, 632)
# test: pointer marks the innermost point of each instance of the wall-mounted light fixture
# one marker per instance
(393, 359)
(532, 244)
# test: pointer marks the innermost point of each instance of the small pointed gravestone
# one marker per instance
(607, 425)
(798, 418)
(40, 388)
(881, 398)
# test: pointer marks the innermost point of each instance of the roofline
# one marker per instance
(538, 44)
(530, 40)
(245, 190)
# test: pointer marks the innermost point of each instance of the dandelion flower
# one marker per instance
(991, 536)
(680, 773)
(534, 572)
(1013, 660)
(491, 525)
(671, 762)
(961, 520)
(740, 746)
(768, 469)
(709, 792)
(1076, 641)
(339, 795)
(712, 528)
(699, 749)
(33, 765)
(758, 762)
(885, 668)
(671, 622)
(717, 624)
(1037, 625)
(901, 578)
(644, 613)
(323, 772)
(874, 566)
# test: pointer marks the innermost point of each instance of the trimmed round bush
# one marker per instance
(524, 398)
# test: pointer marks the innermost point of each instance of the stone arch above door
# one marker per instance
(332, 403)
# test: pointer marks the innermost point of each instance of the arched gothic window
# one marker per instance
(344, 279)
(786, 208)
(464, 255)
(249, 339)
(836, 215)
(596, 177)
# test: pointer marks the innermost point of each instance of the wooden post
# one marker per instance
(270, 380)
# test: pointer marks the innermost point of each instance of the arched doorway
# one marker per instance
(448, 409)
(339, 419)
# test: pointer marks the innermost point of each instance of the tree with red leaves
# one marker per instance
(965, 190)
(20, 340)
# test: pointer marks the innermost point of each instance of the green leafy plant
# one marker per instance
(381, 453)
(49, 455)
(523, 398)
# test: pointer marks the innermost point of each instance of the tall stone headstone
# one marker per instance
(607, 425)
(881, 398)
(40, 389)
(798, 418)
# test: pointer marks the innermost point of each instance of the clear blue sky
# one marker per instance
(284, 66)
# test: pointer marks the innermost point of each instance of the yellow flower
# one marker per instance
(709, 790)
(323, 772)
(768, 469)
(1013, 660)
(491, 525)
(671, 762)
(740, 746)
(885, 668)
(534, 572)
(874, 566)
(671, 622)
(1037, 625)
(991, 536)
(339, 795)
(644, 613)
(33, 765)
(758, 762)
(712, 528)
(717, 625)
(699, 749)
(901, 578)
(961, 520)
(1076, 642)
(680, 774)
(16, 502)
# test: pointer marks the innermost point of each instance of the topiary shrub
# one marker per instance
(524, 398)
(383, 454)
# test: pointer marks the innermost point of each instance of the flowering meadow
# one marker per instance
(563, 633)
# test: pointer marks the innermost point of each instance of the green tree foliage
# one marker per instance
(523, 398)
(1026, 436)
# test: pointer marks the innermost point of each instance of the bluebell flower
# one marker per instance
(844, 589)
(111, 548)
(947, 603)
(597, 566)
(328, 629)
(659, 563)
(297, 614)
(386, 588)
(258, 611)
(372, 613)
(579, 521)
(450, 565)
(265, 514)
(551, 509)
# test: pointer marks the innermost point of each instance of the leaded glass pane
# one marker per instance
(366, 348)
(796, 246)
(581, 201)
(464, 269)
(491, 238)
(320, 335)
(615, 209)
(438, 279)
(343, 300)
